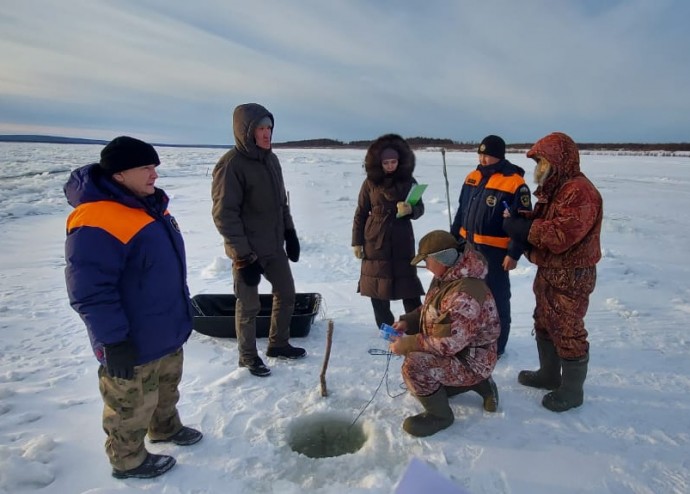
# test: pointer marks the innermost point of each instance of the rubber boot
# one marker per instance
(489, 392)
(436, 417)
(457, 390)
(569, 394)
(549, 374)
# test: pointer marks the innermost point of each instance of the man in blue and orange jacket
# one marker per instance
(495, 183)
(126, 276)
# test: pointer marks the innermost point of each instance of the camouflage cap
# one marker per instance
(433, 242)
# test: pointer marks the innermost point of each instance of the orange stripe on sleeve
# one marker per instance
(500, 242)
(118, 220)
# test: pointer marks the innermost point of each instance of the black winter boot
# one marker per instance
(569, 394)
(153, 466)
(489, 392)
(184, 437)
(436, 417)
(286, 352)
(549, 374)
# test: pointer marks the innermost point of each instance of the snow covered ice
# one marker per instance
(632, 435)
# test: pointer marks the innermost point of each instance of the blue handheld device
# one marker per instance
(387, 332)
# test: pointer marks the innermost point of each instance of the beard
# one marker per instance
(542, 171)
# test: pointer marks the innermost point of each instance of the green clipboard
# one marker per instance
(414, 195)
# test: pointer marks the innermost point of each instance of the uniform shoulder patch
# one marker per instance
(174, 224)
(525, 196)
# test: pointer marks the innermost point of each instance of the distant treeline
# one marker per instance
(415, 142)
(427, 142)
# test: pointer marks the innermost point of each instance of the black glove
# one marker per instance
(120, 359)
(292, 245)
(251, 273)
(517, 228)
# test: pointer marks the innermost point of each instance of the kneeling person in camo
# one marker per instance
(450, 341)
(127, 278)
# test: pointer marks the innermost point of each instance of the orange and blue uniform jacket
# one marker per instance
(479, 218)
(125, 267)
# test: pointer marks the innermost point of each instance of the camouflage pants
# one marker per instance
(424, 373)
(562, 299)
(146, 404)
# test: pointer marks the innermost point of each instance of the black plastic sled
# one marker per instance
(215, 314)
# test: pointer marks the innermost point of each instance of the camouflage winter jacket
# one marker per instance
(459, 315)
(567, 217)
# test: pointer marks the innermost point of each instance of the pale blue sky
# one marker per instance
(172, 71)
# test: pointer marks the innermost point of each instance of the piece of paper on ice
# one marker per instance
(420, 477)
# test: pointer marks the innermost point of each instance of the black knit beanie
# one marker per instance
(124, 153)
(493, 146)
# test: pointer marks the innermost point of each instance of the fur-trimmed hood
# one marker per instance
(406, 160)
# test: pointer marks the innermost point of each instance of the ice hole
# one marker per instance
(325, 436)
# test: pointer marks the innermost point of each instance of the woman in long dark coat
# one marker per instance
(382, 234)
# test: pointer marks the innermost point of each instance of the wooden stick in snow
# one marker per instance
(329, 342)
